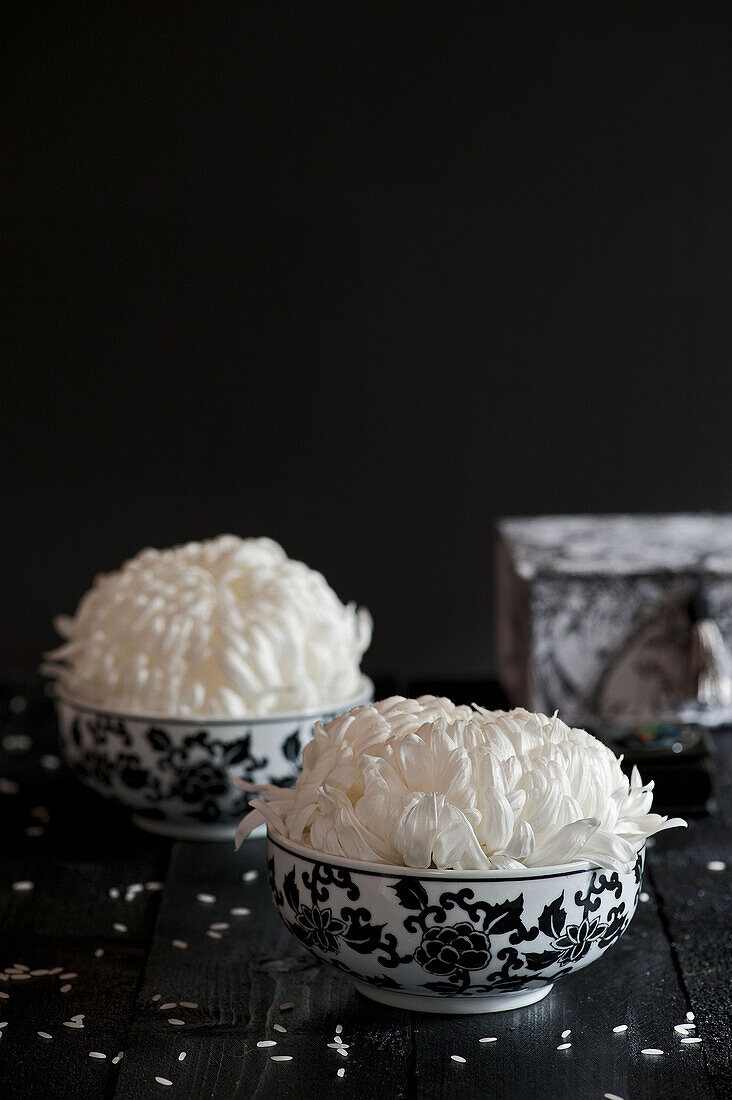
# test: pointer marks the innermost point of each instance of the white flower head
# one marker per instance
(425, 783)
(226, 628)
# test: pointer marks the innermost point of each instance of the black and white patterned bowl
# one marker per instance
(175, 773)
(450, 941)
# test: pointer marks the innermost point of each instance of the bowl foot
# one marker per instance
(181, 830)
(455, 1006)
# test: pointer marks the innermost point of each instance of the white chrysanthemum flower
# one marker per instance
(226, 628)
(425, 783)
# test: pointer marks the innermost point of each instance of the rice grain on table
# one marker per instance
(23, 884)
(611, 1096)
(167, 1005)
(279, 1027)
(458, 1058)
(566, 1032)
(45, 1035)
(341, 1072)
(180, 944)
(651, 1050)
(163, 1081)
(120, 927)
(177, 1023)
(690, 1016)
(489, 1039)
(96, 1054)
(188, 1004)
(266, 1043)
(691, 1039)
(181, 1056)
(66, 988)
(206, 899)
(250, 876)
(716, 865)
(98, 953)
(564, 1046)
(241, 911)
(620, 1029)
(281, 1058)
(287, 1006)
(214, 935)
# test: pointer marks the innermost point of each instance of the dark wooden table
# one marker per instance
(123, 967)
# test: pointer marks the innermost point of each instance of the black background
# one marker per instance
(361, 278)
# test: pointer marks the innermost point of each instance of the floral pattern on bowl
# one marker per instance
(441, 941)
(176, 774)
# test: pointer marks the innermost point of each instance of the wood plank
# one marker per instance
(696, 906)
(68, 915)
(238, 983)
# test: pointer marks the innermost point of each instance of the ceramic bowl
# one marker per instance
(450, 941)
(175, 773)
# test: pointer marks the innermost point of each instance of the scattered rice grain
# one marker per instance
(163, 1081)
(119, 927)
(716, 865)
(23, 884)
(181, 1056)
(690, 1016)
(50, 762)
(287, 1006)
(341, 1072)
(691, 1039)
(620, 1028)
(154, 885)
(567, 1032)
(96, 1054)
(176, 1022)
(489, 1039)
(45, 1035)
(98, 953)
(281, 1058)
(564, 1046)
(241, 911)
(250, 876)
(266, 1043)
(458, 1058)
(651, 1050)
(207, 899)
(66, 988)
(220, 926)
(644, 896)
(181, 944)
(187, 1004)
(280, 1028)
(214, 935)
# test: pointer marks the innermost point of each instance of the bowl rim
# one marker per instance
(388, 870)
(362, 697)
